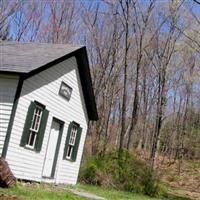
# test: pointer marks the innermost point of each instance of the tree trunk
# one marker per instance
(7, 178)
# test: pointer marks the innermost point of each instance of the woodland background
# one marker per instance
(145, 65)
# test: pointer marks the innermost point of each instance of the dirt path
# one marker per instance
(86, 195)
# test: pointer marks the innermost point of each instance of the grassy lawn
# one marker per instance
(38, 192)
(112, 194)
(48, 192)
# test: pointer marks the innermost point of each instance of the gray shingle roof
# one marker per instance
(25, 57)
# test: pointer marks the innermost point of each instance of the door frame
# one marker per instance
(55, 159)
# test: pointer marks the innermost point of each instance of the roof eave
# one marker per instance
(85, 77)
(12, 73)
(86, 82)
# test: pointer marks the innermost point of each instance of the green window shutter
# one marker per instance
(27, 124)
(67, 140)
(40, 134)
(75, 149)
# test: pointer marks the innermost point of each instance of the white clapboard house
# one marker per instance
(46, 102)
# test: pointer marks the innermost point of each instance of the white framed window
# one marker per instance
(35, 125)
(73, 137)
(72, 141)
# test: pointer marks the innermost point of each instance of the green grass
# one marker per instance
(111, 194)
(195, 164)
(40, 192)
(48, 192)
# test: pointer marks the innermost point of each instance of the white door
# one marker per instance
(51, 149)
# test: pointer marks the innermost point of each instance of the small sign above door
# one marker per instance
(65, 91)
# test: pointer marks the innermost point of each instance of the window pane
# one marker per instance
(69, 151)
(36, 119)
(32, 138)
(73, 135)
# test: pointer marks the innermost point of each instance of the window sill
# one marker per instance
(68, 159)
(29, 148)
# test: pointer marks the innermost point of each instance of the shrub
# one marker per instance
(127, 173)
(89, 173)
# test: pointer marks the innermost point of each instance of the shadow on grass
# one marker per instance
(174, 197)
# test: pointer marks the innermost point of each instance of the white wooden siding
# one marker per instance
(44, 88)
(8, 86)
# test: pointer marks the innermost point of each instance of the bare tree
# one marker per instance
(7, 10)
(164, 53)
(140, 29)
(125, 6)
